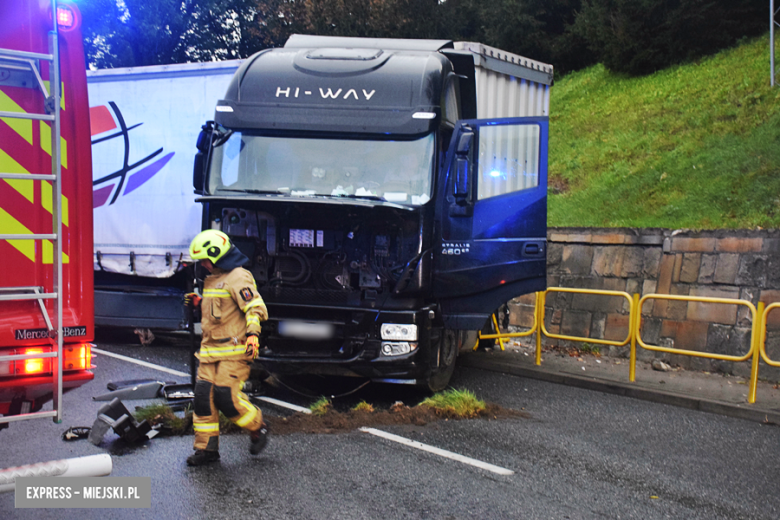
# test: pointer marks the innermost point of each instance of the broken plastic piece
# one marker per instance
(142, 391)
(76, 432)
(115, 415)
(119, 385)
(184, 391)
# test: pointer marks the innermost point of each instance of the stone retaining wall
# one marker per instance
(739, 264)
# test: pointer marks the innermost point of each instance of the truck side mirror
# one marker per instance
(199, 168)
(461, 190)
(204, 137)
(464, 143)
(198, 173)
(462, 181)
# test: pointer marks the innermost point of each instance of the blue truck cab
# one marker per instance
(390, 195)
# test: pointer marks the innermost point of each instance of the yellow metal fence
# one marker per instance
(757, 335)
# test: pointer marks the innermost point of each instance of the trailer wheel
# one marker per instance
(448, 353)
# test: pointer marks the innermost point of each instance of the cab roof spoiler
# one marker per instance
(306, 41)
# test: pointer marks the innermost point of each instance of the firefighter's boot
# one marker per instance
(258, 439)
(201, 457)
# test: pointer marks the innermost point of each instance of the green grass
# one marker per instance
(458, 403)
(321, 406)
(587, 348)
(163, 414)
(364, 406)
(173, 424)
(693, 146)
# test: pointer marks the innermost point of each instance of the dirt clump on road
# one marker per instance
(334, 421)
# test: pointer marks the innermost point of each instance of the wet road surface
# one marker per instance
(580, 455)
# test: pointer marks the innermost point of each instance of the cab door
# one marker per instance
(491, 237)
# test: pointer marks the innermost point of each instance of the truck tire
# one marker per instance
(449, 346)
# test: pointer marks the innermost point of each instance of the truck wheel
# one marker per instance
(448, 353)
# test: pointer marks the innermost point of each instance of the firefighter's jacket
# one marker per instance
(231, 308)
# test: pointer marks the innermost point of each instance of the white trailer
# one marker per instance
(145, 121)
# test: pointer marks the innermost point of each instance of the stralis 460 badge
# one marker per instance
(455, 248)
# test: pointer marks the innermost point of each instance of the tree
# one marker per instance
(375, 18)
(538, 29)
(220, 30)
(136, 32)
(642, 36)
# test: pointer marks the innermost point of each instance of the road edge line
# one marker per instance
(438, 451)
(139, 362)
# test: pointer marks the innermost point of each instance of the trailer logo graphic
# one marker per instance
(102, 121)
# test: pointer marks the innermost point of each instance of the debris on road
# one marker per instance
(115, 415)
(660, 366)
(334, 421)
(76, 432)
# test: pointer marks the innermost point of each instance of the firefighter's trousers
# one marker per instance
(218, 389)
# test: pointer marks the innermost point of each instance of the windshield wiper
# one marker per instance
(254, 192)
(367, 197)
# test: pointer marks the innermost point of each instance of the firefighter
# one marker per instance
(231, 311)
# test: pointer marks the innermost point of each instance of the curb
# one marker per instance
(627, 390)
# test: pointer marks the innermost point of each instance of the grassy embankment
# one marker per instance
(693, 146)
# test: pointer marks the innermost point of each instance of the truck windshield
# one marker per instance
(396, 171)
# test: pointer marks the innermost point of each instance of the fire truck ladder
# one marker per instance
(27, 62)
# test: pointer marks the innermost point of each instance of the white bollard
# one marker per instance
(90, 466)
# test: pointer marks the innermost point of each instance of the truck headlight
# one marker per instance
(401, 332)
(397, 348)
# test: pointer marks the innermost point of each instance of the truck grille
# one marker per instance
(302, 295)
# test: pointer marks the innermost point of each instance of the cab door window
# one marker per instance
(508, 159)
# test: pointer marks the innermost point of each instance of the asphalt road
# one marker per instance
(580, 455)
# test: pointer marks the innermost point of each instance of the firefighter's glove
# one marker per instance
(192, 300)
(252, 345)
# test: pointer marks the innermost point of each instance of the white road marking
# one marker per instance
(139, 362)
(177, 373)
(284, 404)
(438, 451)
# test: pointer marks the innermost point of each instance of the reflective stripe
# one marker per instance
(46, 200)
(206, 427)
(48, 253)
(216, 293)
(9, 165)
(46, 143)
(23, 127)
(249, 416)
(13, 227)
(230, 349)
(254, 303)
(252, 320)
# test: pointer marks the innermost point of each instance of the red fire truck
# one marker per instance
(46, 298)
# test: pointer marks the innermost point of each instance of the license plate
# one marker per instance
(305, 329)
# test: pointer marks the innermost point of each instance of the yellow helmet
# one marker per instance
(209, 245)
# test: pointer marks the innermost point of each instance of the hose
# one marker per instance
(301, 278)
